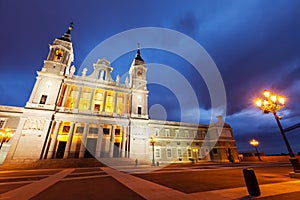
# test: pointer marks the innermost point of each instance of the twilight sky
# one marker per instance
(254, 43)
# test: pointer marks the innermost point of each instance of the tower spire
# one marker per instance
(67, 35)
(138, 54)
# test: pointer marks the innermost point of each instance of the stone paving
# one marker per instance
(29, 187)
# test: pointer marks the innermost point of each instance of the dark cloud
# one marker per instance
(188, 23)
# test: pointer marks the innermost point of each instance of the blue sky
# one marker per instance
(254, 43)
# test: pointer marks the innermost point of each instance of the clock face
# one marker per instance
(58, 55)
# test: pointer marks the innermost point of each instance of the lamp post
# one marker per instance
(5, 136)
(255, 143)
(195, 150)
(271, 102)
(152, 142)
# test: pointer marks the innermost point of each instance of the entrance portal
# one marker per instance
(60, 149)
(116, 153)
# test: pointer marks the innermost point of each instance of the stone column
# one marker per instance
(125, 104)
(69, 142)
(104, 101)
(91, 100)
(123, 141)
(53, 140)
(112, 141)
(83, 140)
(65, 95)
(115, 102)
(99, 141)
(47, 126)
(78, 98)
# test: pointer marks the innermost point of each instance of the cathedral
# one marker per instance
(73, 116)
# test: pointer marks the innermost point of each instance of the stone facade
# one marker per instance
(72, 116)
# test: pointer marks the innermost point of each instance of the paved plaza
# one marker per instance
(191, 181)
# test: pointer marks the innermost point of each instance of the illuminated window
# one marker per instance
(117, 132)
(64, 131)
(109, 107)
(58, 55)
(169, 153)
(98, 100)
(72, 95)
(120, 103)
(84, 101)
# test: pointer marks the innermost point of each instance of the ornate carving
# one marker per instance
(34, 124)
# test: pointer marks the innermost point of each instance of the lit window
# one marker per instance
(66, 129)
(98, 100)
(84, 101)
(58, 55)
(72, 95)
(120, 103)
(109, 107)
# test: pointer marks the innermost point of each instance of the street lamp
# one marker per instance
(255, 143)
(152, 142)
(195, 150)
(271, 102)
(5, 136)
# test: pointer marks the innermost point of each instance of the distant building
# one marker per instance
(72, 116)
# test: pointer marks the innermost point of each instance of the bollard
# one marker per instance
(251, 182)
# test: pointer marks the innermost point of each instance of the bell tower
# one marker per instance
(48, 82)
(138, 81)
(38, 116)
